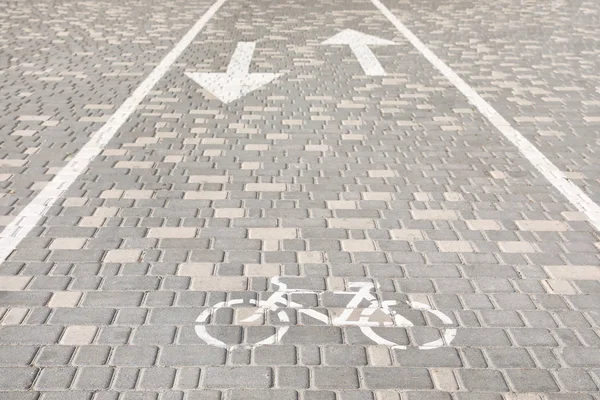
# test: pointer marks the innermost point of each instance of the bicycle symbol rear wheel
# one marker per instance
(204, 317)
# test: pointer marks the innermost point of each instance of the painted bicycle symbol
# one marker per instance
(365, 318)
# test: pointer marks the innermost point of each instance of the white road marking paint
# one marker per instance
(29, 217)
(359, 44)
(237, 81)
(279, 300)
(555, 176)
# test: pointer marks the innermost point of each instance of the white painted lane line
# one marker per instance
(359, 44)
(237, 81)
(572, 192)
(29, 217)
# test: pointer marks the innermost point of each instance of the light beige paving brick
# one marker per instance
(111, 194)
(11, 283)
(444, 380)
(351, 223)
(272, 233)
(257, 147)
(67, 243)
(454, 246)
(106, 212)
(386, 395)
(353, 136)
(196, 269)
(516, 247)
(14, 316)
(123, 256)
(341, 205)
(379, 356)
(229, 212)
(541, 225)
(175, 232)
(483, 225)
(91, 222)
(78, 335)
(271, 245)
(336, 283)
(453, 196)
(573, 216)
(250, 165)
(267, 270)
(205, 195)
(381, 173)
(115, 152)
(358, 245)
(573, 272)
(558, 286)
(134, 164)
(65, 299)
(377, 196)
(265, 187)
(173, 159)
(310, 257)
(434, 214)
(406, 234)
(219, 283)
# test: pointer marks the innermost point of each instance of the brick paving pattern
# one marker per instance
(324, 177)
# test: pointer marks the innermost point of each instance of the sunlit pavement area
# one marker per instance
(300, 200)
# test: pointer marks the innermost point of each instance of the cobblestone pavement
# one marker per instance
(156, 274)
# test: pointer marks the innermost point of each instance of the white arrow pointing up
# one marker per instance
(359, 44)
(237, 81)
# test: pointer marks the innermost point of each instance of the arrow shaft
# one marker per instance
(369, 63)
(239, 64)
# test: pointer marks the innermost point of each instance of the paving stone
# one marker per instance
(480, 380)
(326, 176)
(393, 377)
(238, 377)
(531, 380)
(336, 377)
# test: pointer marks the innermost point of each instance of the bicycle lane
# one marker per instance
(325, 176)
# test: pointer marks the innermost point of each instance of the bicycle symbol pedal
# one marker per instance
(373, 314)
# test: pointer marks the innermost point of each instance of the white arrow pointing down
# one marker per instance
(237, 81)
(359, 44)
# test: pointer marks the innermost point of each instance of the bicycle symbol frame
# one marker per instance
(280, 299)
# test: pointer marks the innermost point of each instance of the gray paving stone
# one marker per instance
(54, 378)
(17, 355)
(325, 176)
(238, 377)
(390, 378)
(336, 377)
(531, 380)
(480, 380)
(19, 378)
(134, 356)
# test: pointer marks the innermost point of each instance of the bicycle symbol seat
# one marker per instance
(366, 320)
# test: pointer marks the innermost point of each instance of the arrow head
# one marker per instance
(352, 37)
(229, 87)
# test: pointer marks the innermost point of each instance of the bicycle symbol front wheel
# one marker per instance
(400, 321)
